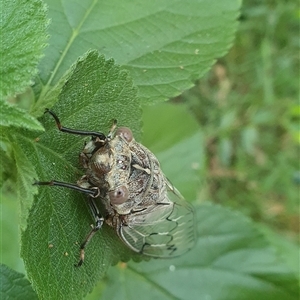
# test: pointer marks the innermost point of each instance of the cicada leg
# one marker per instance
(98, 224)
(100, 135)
(99, 140)
(93, 192)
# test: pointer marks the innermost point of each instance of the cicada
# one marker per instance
(147, 212)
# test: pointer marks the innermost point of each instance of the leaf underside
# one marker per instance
(14, 285)
(231, 260)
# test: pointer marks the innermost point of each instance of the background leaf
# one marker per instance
(232, 260)
(165, 45)
(23, 37)
(59, 219)
(7, 166)
(14, 285)
(166, 124)
(174, 136)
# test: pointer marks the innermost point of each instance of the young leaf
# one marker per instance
(232, 260)
(166, 45)
(95, 92)
(23, 37)
(14, 116)
(14, 285)
(25, 176)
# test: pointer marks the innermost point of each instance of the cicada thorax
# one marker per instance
(127, 173)
(107, 167)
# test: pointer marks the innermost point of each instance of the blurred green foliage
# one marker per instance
(248, 108)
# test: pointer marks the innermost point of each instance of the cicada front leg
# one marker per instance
(92, 192)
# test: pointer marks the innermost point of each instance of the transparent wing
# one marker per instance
(165, 229)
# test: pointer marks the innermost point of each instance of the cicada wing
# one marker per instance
(165, 229)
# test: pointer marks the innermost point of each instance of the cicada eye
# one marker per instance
(126, 133)
(119, 195)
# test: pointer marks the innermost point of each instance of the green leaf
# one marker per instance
(14, 285)
(95, 92)
(7, 166)
(23, 37)
(166, 45)
(25, 177)
(14, 116)
(174, 136)
(182, 164)
(249, 139)
(225, 150)
(288, 250)
(232, 260)
(166, 124)
(10, 230)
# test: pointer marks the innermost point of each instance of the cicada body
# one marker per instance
(145, 209)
